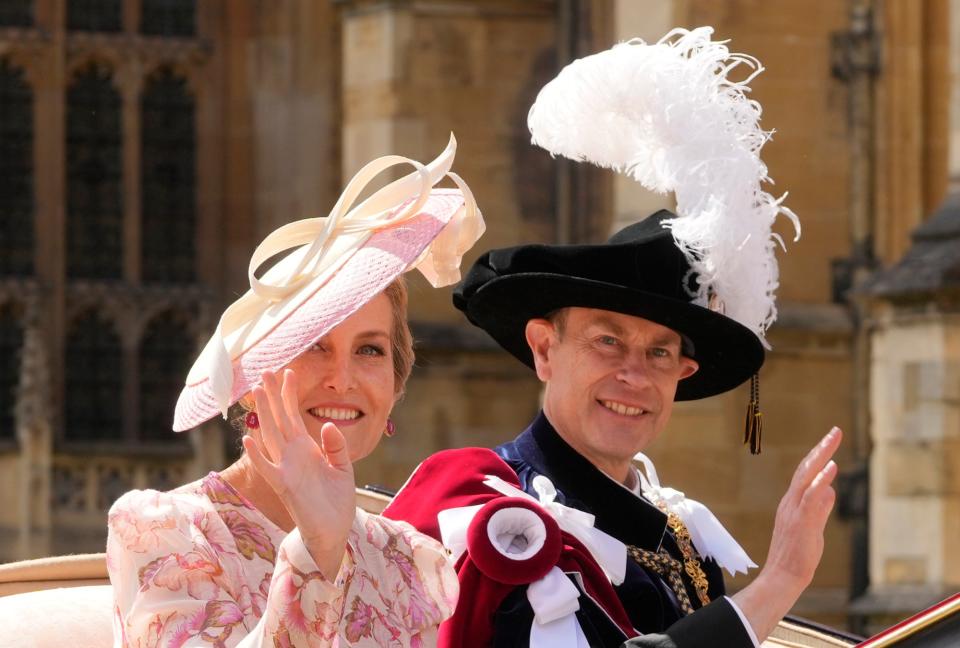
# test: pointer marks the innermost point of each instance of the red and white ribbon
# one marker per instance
(517, 533)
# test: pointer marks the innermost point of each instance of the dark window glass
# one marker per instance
(165, 355)
(169, 179)
(11, 342)
(16, 172)
(168, 17)
(94, 210)
(16, 13)
(94, 15)
(94, 381)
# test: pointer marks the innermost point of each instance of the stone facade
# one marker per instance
(292, 97)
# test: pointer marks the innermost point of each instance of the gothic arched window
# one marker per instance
(93, 381)
(165, 354)
(16, 171)
(94, 15)
(168, 17)
(169, 179)
(11, 342)
(16, 13)
(94, 209)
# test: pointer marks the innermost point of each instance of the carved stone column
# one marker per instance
(649, 20)
(35, 437)
(413, 71)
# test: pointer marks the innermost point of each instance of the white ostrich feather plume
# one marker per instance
(668, 116)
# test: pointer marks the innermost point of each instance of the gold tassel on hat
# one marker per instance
(753, 427)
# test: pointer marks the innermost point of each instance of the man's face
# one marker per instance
(610, 381)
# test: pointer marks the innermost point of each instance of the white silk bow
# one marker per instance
(709, 536)
(554, 598)
(319, 247)
(555, 601)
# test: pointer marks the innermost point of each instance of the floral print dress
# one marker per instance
(200, 566)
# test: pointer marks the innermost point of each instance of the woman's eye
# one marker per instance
(370, 350)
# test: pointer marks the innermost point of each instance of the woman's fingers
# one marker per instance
(272, 438)
(291, 405)
(260, 462)
(335, 447)
(272, 387)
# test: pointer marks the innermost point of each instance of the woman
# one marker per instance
(272, 550)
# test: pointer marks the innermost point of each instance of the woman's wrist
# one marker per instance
(327, 553)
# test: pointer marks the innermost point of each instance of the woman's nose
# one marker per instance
(338, 374)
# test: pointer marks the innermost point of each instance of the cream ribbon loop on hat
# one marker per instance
(709, 536)
(317, 247)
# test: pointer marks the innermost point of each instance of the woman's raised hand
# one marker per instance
(314, 480)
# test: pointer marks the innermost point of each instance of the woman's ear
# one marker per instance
(541, 335)
(246, 402)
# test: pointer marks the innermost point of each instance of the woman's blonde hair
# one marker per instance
(401, 340)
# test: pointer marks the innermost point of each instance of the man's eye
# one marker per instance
(608, 340)
(660, 352)
(370, 350)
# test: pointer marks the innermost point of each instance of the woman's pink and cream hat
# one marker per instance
(334, 266)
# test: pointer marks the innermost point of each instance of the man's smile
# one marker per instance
(622, 408)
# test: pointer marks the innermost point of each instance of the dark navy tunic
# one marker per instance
(647, 599)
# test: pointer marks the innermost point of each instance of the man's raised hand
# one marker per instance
(796, 546)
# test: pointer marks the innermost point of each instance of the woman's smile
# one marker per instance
(342, 415)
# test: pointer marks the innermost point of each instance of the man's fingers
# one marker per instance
(823, 480)
(815, 461)
(335, 446)
(820, 495)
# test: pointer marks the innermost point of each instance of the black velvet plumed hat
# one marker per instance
(639, 271)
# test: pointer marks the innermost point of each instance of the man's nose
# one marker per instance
(635, 370)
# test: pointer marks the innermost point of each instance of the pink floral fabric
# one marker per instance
(200, 566)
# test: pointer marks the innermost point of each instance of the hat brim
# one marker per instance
(728, 353)
(302, 322)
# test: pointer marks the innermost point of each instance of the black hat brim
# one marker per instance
(728, 353)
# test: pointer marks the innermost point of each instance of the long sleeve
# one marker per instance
(177, 569)
(188, 574)
(406, 589)
(717, 625)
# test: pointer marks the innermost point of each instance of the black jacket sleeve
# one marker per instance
(716, 625)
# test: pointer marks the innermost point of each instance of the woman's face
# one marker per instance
(347, 378)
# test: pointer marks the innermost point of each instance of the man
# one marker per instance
(612, 334)
(670, 308)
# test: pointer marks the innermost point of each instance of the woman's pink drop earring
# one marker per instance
(391, 428)
(252, 421)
